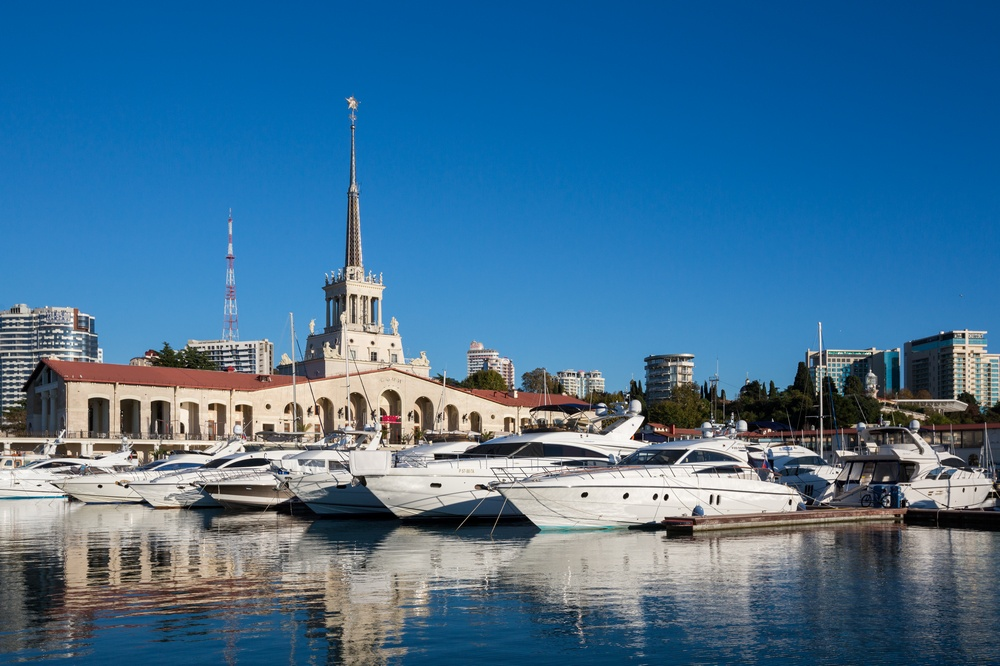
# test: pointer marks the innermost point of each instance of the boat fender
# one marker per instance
(698, 511)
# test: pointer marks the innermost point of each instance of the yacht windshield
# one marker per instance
(653, 457)
(807, 460)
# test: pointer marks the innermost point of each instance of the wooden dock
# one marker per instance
(977, 519)
(692, 524)
(983, 520)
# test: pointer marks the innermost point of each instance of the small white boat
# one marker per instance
(900, 469)
(710, 476)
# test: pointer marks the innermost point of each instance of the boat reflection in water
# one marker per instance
(94, 583)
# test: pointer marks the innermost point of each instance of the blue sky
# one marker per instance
(577, 185)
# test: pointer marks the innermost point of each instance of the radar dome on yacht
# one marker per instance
(914, 426)
(861, 426)
(706, 429)
(635, 406)
(601, 409)
(741, 426)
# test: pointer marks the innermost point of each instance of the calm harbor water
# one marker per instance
(97, 584)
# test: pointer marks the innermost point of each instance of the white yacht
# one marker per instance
(458, 487)
(327, 487)
(39, 478)
(183, 489)
(707, 476)
(798, 467)
(269, 488)
(898, 468)
(100, 487)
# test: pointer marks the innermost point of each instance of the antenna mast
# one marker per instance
(230, 327)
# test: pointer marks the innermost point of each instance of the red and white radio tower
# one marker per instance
(231, 327)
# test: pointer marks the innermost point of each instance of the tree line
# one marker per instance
(797, 406)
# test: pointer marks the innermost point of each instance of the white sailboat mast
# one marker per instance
(820, 371)
(295, 404)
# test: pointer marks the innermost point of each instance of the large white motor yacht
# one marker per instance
(184, 489)
(709, 476)
(100, 487)
(269, 488)
(458, 487)
(898, 468)
(39, 478)
(326, 486)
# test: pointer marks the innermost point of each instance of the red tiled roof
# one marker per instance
(108, 373)
(523, 399)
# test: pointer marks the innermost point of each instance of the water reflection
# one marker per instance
(98, 582)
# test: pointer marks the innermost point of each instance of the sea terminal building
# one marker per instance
(97, 401)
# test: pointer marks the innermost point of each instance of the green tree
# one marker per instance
(803, 381)
(167, 357)
(486, 379)
(685, 408)
(189, 357)
(196, 359)
(853, 386)
(14, 420)
(972, 413)
(536, 380)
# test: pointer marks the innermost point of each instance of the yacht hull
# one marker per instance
(968, 493)
(250, 494)
(329, 494)
(642, 497)
(450, 492)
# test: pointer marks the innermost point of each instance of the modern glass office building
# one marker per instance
(839, 364)
(28, 335)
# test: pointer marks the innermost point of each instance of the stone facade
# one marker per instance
(107, 401)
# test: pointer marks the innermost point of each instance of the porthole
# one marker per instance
(584, 494)
(435, 485)
(100, 485)
(656, 496)
(625, 496)
(267, 406)
(718, 499)
(665, 497)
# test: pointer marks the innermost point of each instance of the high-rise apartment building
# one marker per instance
(28, 335)
(479, 358)
(665, 372)
(581, 383)
(953, 362)
(839, 364)
(250, 356)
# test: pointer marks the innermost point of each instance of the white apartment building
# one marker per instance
(250, 356)
(479, 358)
(581, 383)
(28, 335)
(953, 362)
(666, 371)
